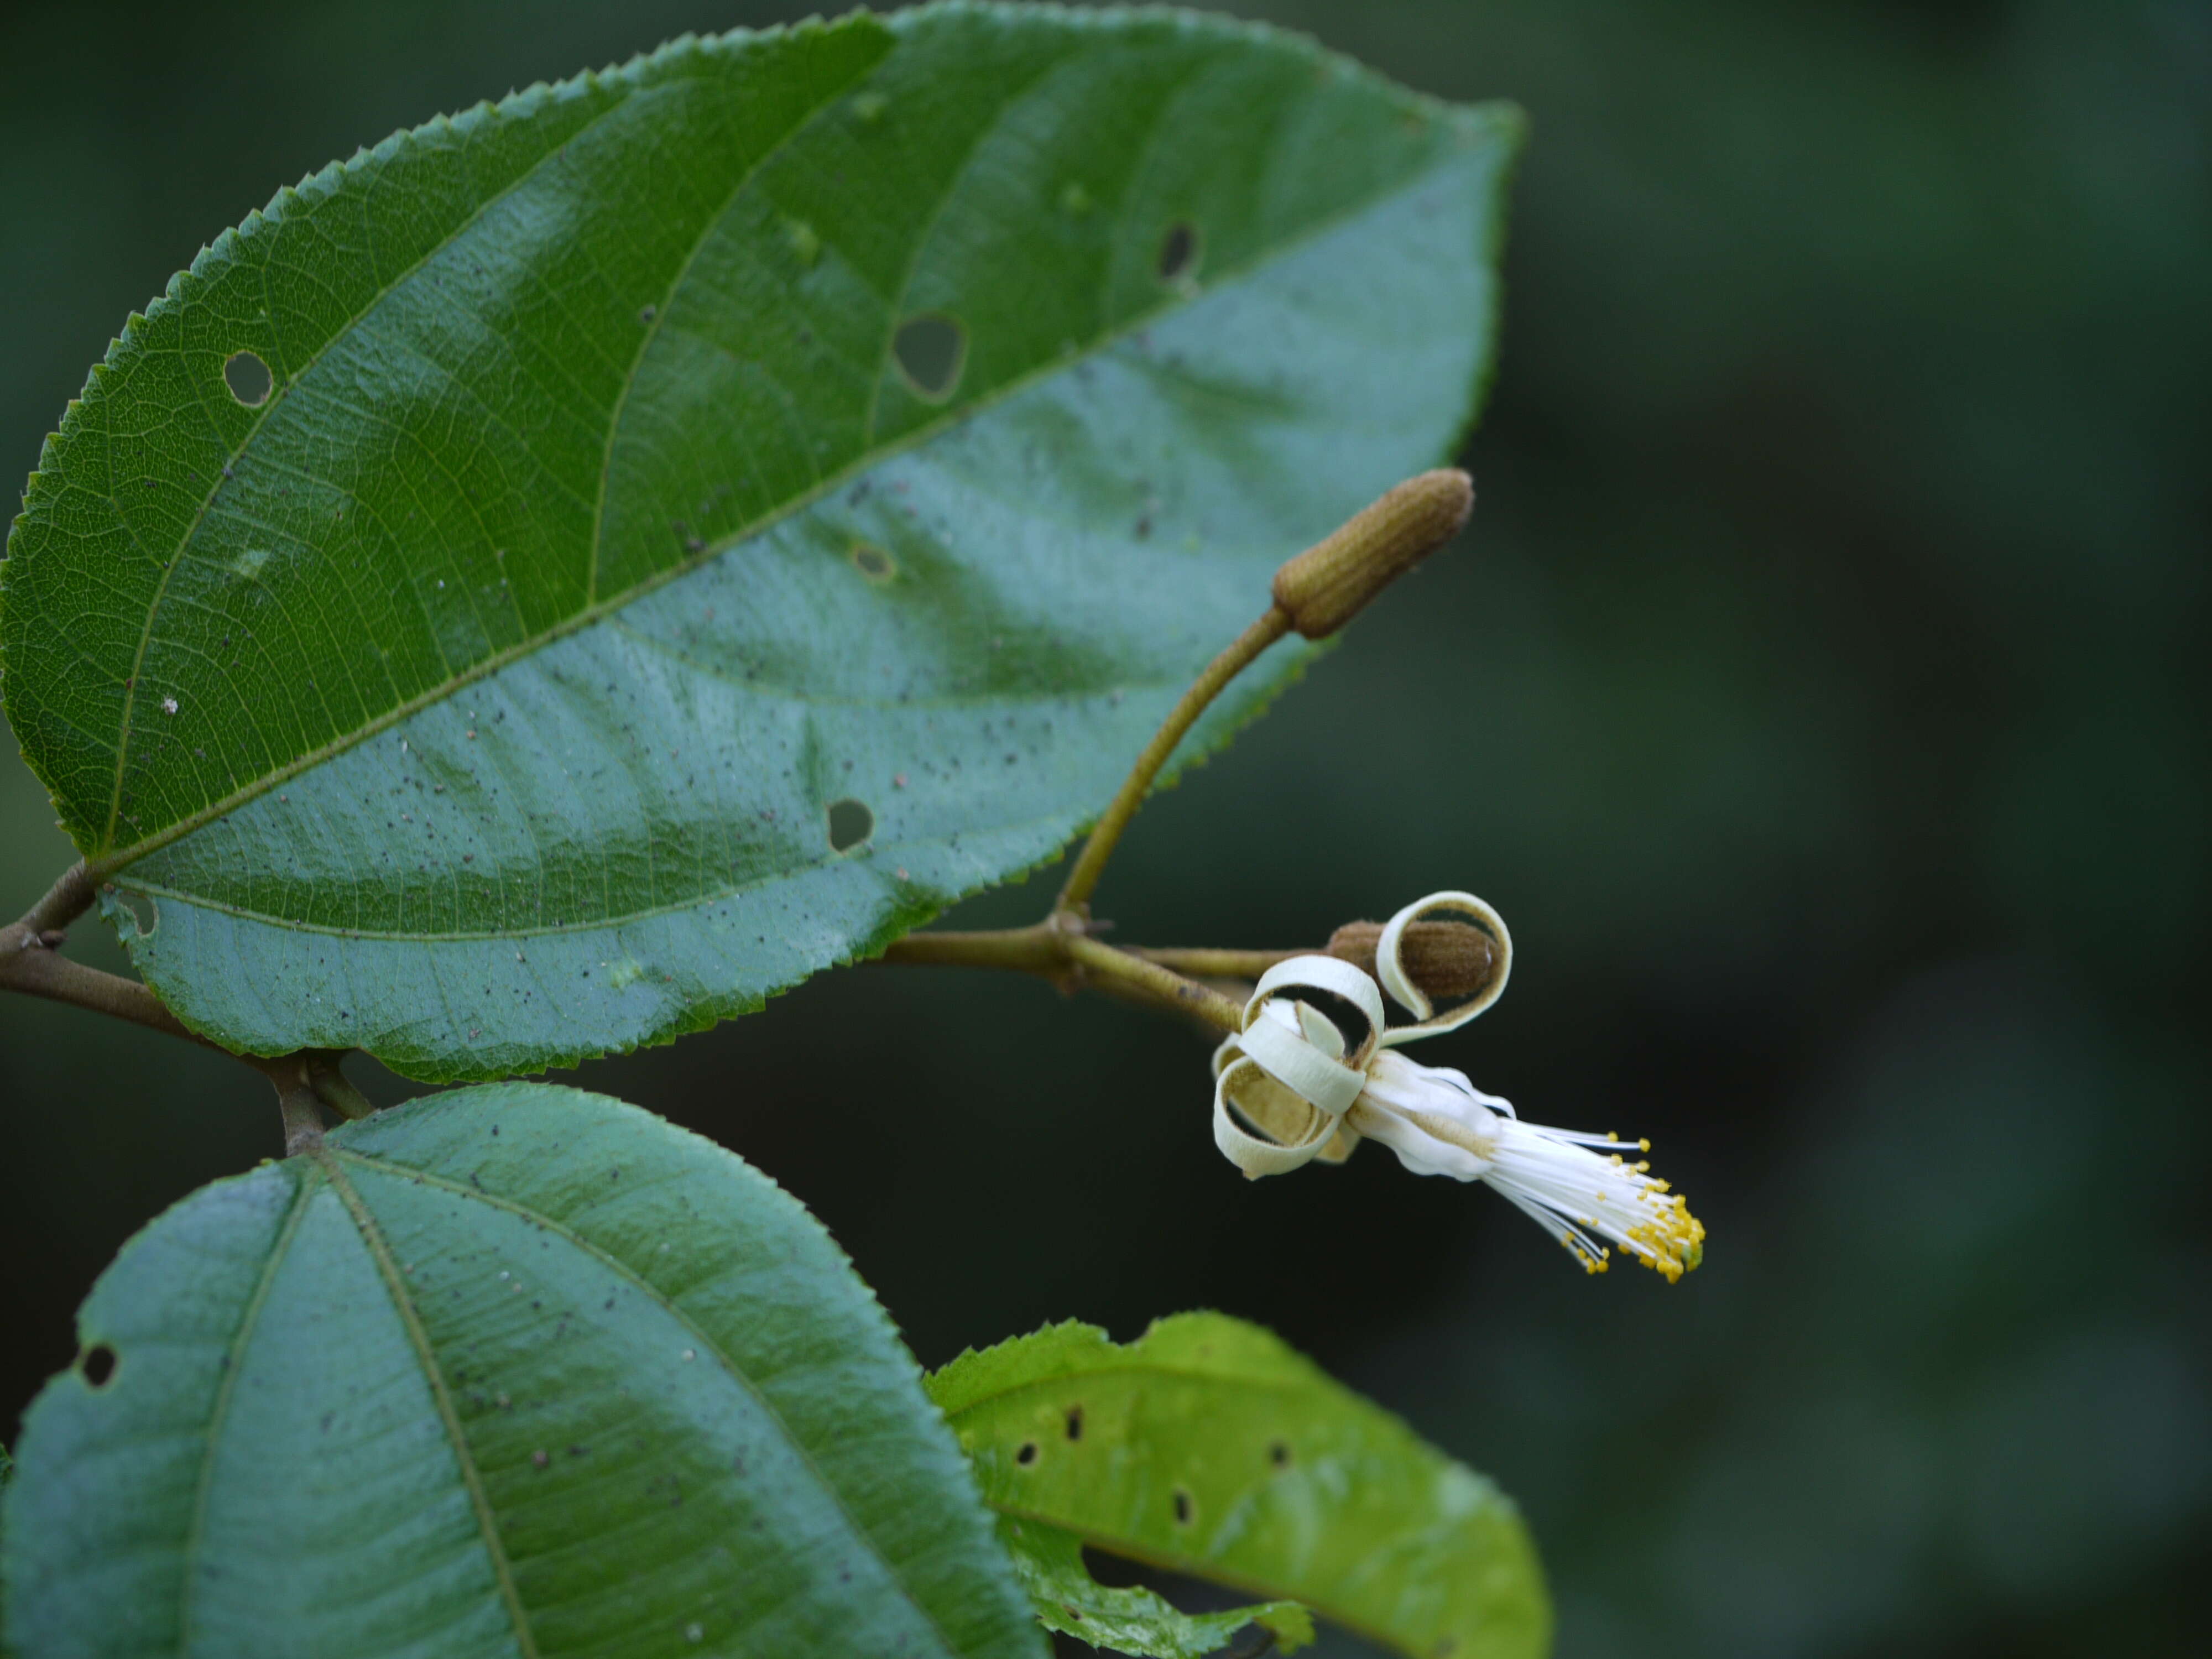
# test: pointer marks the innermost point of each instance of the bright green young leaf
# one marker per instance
(1208, 1446)
(471, 615)
(1050, 1563)
(525, 1371)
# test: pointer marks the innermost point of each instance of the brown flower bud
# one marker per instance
(1449, 961)
(1332, 581)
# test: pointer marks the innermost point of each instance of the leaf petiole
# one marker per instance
(1240, 655)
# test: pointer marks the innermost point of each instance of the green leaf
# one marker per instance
(518, 1370)
(480, 696)
(1208, 1446)
(1050, 1563)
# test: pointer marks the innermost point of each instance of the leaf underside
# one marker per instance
(480, 697)
(1209, 1447)
(520, 1371)
(1135, 1621)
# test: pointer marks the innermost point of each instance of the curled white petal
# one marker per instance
(1327, 1084)
(1390, 968)
(1318, 973)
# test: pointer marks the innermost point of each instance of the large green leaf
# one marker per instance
(1131, 1621)
(478, 697)
(1208, 1446)
(518, 1371)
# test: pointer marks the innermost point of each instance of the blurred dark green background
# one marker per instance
(1819, 693)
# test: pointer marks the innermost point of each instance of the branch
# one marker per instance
(31, 962)
(1059, 949)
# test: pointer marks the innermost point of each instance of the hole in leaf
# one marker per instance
(1075, 1422)
(249, 377)
(145, 914)
(873, 562)
(929, 350)
(1179, 252)
(1279, 1455)
(1182, 1507)
(97, 1364)
(1027, 1454)
(851, 823)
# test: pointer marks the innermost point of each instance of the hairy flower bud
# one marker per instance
(1332, 581)
(1447, 960)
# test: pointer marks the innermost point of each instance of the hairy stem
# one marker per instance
(1162, 985)
(1058, 949)
(298, 1102)
(1239, 655)
(1199, 962)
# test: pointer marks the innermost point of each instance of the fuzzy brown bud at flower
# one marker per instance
(1447, 960)
(1332, 581)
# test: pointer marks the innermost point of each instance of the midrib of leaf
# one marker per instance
(108, 864)
(225, 1391)
(426, 1358)
(645, 1287)
(543, 929)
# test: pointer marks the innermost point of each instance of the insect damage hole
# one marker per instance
(1075, 1422)
(851, 823)
(873, 562)
(1027, 1454)
(249, 377)
(144, 912)
(97, 1363)
(1179, 250)
(930, 350)
(1182, 1507)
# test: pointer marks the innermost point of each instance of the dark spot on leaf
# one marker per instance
(1179, 252)
(249, 377)
(930, 351)
(97, 1364)
(851, 823)
(1075, 1422)
(1182, 1507)
(873, 562)
(1279, 1455)
(1027, 1454)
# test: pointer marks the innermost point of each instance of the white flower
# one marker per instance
(1292, 1087)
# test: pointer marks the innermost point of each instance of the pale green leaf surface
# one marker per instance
(1208, 1446)
(521, 1370)
(1132, 1620)
(477, 698)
